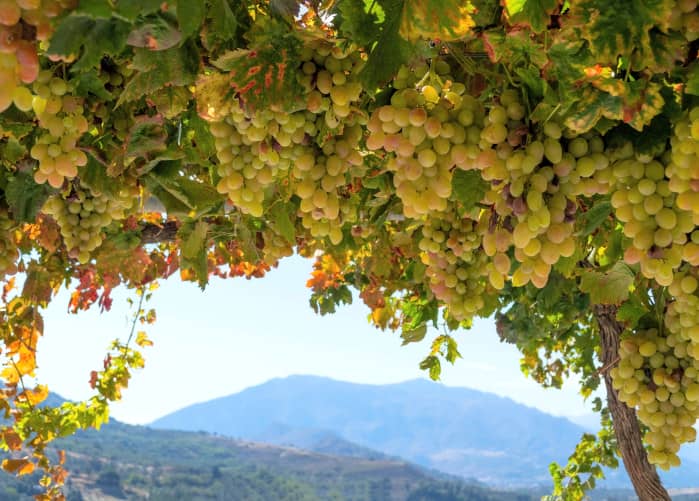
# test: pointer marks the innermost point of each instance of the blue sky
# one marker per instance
(241, 333)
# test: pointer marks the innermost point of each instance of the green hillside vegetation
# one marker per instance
(133, 462)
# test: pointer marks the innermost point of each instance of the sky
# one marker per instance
(240, 333)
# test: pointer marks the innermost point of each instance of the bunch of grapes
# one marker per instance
(657, 227)
(83, 215)
(22, 23)
(329, 73)
(533, 192)
(450, 248)
(684, 154)
(426, 133)
(313, 150)
(656, 375)
(9, 254)
(684, 17)
(61, 117)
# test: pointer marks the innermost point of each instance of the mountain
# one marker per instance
(122, 462)
(455, 430)
(463, 432)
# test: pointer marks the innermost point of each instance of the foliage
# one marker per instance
(445, 159)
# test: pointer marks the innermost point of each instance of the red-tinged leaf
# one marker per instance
(535, 14)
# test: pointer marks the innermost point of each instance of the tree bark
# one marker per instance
(643, 475)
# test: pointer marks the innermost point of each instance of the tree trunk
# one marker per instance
(644, 477)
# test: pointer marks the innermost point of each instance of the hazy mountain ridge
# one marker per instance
(460, 431)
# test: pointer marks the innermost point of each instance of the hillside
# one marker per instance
(134, 462)
(459, 431)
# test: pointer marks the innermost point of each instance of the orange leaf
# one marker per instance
(18, 466)
(12, 440)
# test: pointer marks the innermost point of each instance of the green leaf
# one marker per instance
(595, 217)
(356, 23)
(155, 32)
(131, 9)
(468, 187)
(283, 215)
(88, 83)
(95, 8)
(630, 312)
(433, 365)
(190, 16)
(692, 84)
(95, 38)
(195, 242)
(533, 13)
(146, 137)
(24, 197)
(414, 335)
(610, 287)
(177, 66)
(193, 248)
(94, 176)
(182, 196)
(390, 52)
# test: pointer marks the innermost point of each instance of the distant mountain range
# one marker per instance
(459, 431)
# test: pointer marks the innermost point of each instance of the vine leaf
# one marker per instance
(535, 14)
(194, 245)
(24, 197)
(595, 217)
(94, 38)
(356, 23)
(265, 75)
(445, 20)
(692, 84)
(283, 216)
(177, 66)
(414, 335)
(610, 287)
(156, 32)
(631, 312)
(616, 28)
(468, 188)
(190, 16)
(390, 51)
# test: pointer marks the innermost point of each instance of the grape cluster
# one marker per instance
(22, 23)
(84, 214)
(684, 17)
(658, 376)
(658, 229)
(61, 117)
(684, 154)
(426, 133)
(455, 267)
(313, 150)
